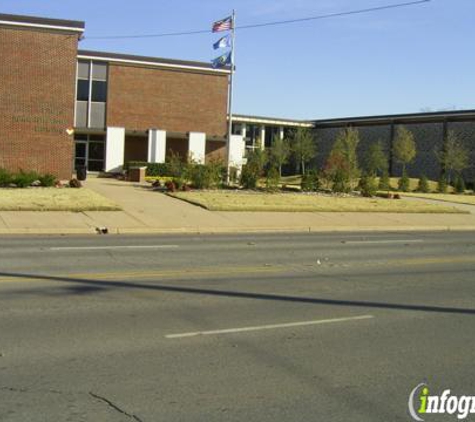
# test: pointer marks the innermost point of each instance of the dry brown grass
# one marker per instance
(54, 199)
(296, 202)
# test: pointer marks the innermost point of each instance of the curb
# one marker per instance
(232, 230)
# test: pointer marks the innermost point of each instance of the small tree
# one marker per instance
(404, 182)
(423, 185)
(384, 181)
(454, 156)
(279, 153)
(303, 146)
(404, 148)
(254, 168)
(342, 164)
(376, 160)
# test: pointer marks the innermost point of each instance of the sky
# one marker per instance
(411, 59)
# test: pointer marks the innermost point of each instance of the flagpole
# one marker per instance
(230, 95)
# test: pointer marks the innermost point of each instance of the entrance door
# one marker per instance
(80, 153)
(89, 151)
(95, 155)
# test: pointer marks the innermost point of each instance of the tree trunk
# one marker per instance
(303, 167)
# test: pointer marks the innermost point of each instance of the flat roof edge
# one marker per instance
(149, 61)
(44, 23)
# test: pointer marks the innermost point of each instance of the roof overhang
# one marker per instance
(271, 121)
(33, 22)
(150, 62)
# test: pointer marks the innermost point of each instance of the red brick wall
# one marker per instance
(37, 90)
(215, 150)
(140, 98)
(178, 147)
(135, 148)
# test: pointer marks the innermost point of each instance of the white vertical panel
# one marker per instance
(197, 147)
(115, 141)
(157, 145)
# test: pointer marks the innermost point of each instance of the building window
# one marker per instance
(99, 91)
(89, 152)
(83, 90)
(91, 96)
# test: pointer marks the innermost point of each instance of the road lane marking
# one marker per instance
(386, 241)
(95, 248)
(267, 327)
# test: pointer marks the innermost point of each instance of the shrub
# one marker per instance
(368, 186)
(47, 180)
(459, 184)
(5, 177)
(249, 177)
(207, 176)
(75, 183)
(403, 183)
(272, 179)
(442, 185)
(310, 181)
(384, 182)
(24, 179)
(423, 185)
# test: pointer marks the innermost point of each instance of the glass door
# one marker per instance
(80, 153)
(95, 155)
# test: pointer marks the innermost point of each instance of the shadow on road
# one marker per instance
(87, 286)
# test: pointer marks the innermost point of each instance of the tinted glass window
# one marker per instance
(83, 90)
(99, 91)
(99, 71)
(83, 70)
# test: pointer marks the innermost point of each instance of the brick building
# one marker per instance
(61, 107)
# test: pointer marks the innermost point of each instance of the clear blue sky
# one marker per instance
(394, 61)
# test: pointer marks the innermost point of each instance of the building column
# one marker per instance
(157, 146)
(243, 130)
(281, 132)
(263, 138)
(197, 147)
(115, 141)
(236, 151)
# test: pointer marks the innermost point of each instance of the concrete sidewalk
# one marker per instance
(145, 211)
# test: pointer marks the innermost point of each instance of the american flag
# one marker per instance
(223, 25)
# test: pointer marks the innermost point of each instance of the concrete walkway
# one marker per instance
(145, 211)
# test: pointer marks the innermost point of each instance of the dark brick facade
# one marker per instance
(140, 98)
(37, 93)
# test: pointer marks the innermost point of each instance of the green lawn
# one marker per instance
(54, 199)
(297, 202)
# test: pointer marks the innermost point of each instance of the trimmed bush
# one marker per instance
(273, 179)
(75, 183)
(459, 184)
(403, 183)
(310, 181)
(249, 177)
(368, 186)
(423, 185)
(47, 180)
(5, 177)
(153, 169)
(207, 176)
(24, 179)
(384, 183)
(442, 185)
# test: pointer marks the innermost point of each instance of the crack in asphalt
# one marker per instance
(29, 390)
(115, 407)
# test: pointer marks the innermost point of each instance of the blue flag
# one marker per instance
(222, 61)
(223, 42)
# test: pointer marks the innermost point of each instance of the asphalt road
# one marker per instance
(307, 327)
